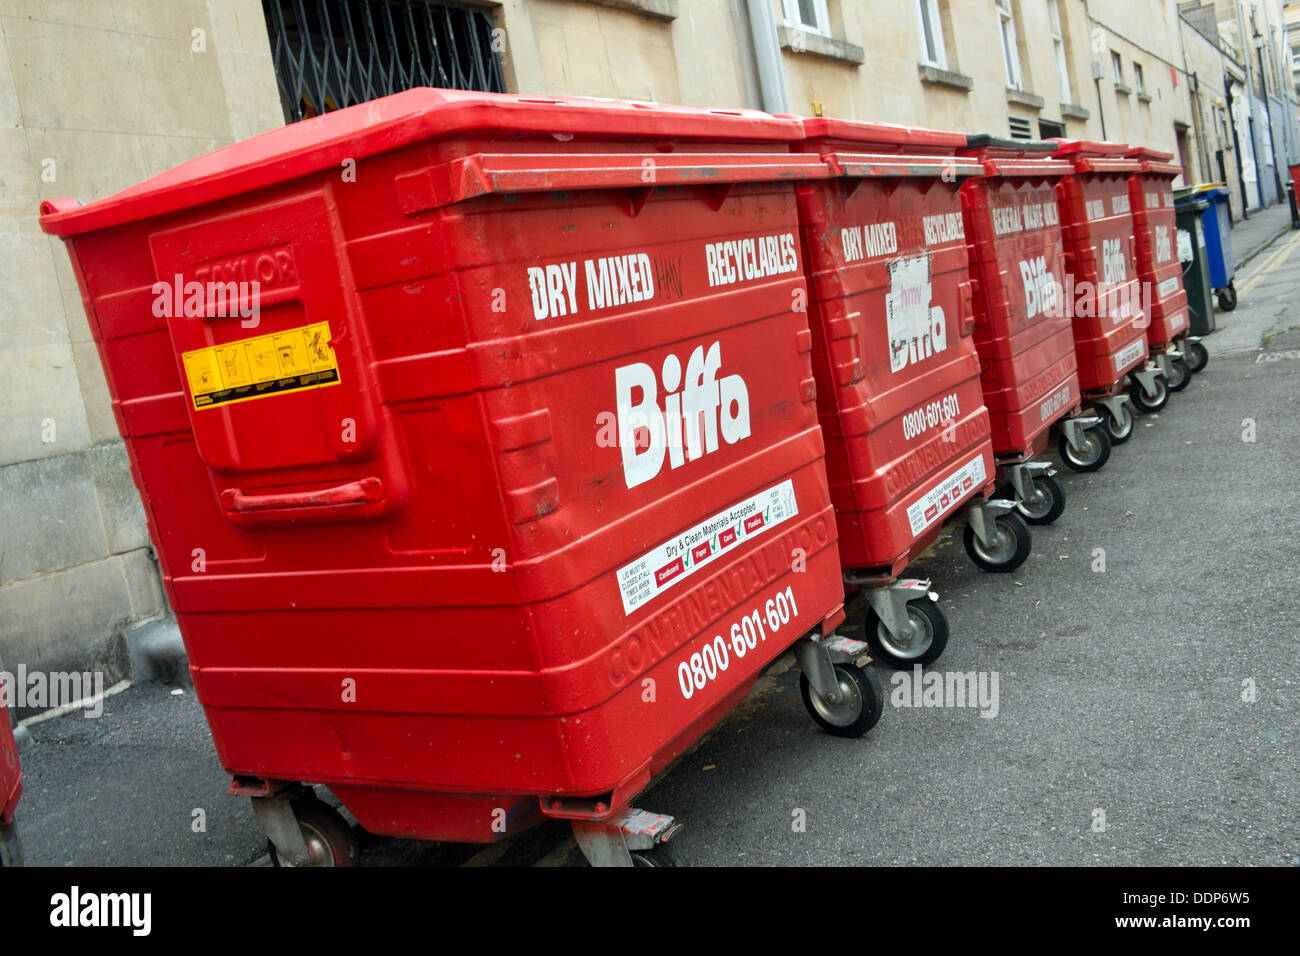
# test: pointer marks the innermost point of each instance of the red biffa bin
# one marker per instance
(514, 483)
(11, 788)
(1151, 190)
(1102, 289)
(898, 390)
(1022, 329)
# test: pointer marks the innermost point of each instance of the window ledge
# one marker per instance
(1123, 88)
(1145, 97)
(1024, 98)
(654, 9)
(829, 48)
(1074, 111)
(956, 81)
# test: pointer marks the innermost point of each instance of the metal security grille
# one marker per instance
(334, 53)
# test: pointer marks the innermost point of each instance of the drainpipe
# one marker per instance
(767, 54)
(1101, 110)
(1098, 70)
(748, 68)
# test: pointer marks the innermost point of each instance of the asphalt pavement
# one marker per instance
(1146, 713)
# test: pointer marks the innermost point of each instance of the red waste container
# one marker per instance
(1151, 190)
(898, 379)
(1102, 289)
(1022, 331)
(11, 788)
(515, 485)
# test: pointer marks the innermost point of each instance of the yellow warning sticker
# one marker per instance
(273, 364)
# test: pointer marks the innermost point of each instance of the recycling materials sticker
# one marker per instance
(675, 560)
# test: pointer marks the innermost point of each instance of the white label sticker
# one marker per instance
(1135, 351)
(944, 496)
(1164, 242)
(1167, 287)
(916, 331)
(678, 558)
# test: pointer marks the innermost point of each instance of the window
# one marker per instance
(1020, 127)
(1137, 79)
(931, 29)
(1047, 129)
(807, 15)
(1010, 51)
(1058, 42)
(329, 54)
(1117, 68)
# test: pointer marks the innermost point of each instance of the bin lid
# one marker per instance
(1087, 147)
(989, 141)
(1185, 198)
(1155, 161)
(858, 149)
(395, 121)
(1146, 152)
(1209, 190)
(1024, 158)
(861, 134)
(1095, 156)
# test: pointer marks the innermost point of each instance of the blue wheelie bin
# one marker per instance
(1217, 222)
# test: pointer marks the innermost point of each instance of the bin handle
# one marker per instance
(1027, 167)
(863, 165)
(485, 173)
(352, 493)
(1162, 169)
(1089, 165)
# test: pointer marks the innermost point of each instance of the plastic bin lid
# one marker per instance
(1155, 163)
(1088, 148)
(1209, 190)
(1187, 197)
(882, 134)
(1149, 154)
(987, 140)
(393, 122)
